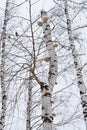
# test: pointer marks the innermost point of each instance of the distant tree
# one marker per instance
(2, 73)
(78, 67)
(68, 15)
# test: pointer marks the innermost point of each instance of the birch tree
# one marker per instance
(28, 119)
(29, 102)
(78, 67)
(47, 88)
(25, 42)
(3, 86)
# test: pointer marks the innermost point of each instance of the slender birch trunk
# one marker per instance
(47, 89)
(28, 120)
(78, 67)
(29, 102)
(3, 87)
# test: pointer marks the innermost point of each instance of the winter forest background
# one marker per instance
(26, 62)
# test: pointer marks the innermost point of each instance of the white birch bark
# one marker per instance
(29, 104)
(48, 88)
(78, 67)
(3, 88)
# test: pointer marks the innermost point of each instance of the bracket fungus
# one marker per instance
(40, 24)
(47, 59)
(45, 18)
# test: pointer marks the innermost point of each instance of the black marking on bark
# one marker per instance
(44, 86)
(42, 107)
(48, 25)
(68, 21)
(85, 114)
(55, 60)
(4, 97)
(78, 74)
(46, 28)
(65, 10)
(51, 73)
(51, 117)
(72, 45)
(80, 82)
(83, 104)
(2, 117)
(81, 92)
(3, 44)
(1, 123)
(69, 30)
(85, 110)
(43, 13)
(46, 114)
(46, 119)
(52, 65)
(51, 102)
(49, 41)
(50, 49)
(76, 63)
(47, 94)
(71, 39)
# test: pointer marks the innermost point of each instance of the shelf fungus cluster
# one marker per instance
(45, 18)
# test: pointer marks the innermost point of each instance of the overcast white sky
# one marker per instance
(42, 4)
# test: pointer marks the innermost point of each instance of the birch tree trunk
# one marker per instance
(3, 88)
(78, 67)
(47, 89)
(28, 120)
